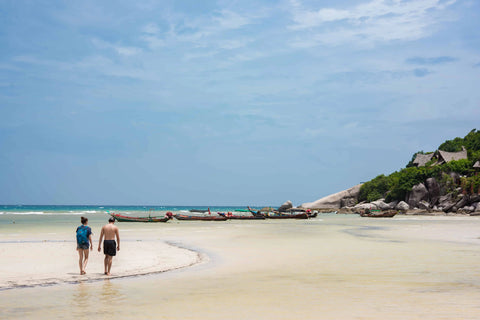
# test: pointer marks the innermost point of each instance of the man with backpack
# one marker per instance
(84, 242)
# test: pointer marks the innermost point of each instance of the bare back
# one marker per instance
(110, 231)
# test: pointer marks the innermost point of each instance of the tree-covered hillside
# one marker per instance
(397, 185)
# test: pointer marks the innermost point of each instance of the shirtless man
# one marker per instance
(110, 247)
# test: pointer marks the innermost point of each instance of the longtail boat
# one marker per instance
(231, 216)
(121, 218)
(313, 214)
(198, 210)
(200, 218)
(278, 215)
(378, 213)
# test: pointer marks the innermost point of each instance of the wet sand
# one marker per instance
(332, 267)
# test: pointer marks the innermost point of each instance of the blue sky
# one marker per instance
(227, 102)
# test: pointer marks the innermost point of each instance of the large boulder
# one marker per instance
(333, 201)
(380, 204)
(402, 205)
(419, 192)
(285, 206)
(348, 202)
(433, 190)
(424, 205)
(363, 206)
(446, 202)
(462, 202)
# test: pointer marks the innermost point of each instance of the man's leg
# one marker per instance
(110, 258)
(105, 263)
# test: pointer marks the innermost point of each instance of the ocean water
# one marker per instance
(330, 267)
(101, 209)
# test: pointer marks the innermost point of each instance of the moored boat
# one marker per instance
(378, 214)
(278, 215)
(200, 218)
(231, 216)
(122, 218)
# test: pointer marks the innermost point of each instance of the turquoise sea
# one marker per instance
(58, 214)
(101, 209)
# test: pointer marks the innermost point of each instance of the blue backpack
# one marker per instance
(82, 235)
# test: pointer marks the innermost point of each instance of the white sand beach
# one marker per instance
(331, 267)
(40, 263)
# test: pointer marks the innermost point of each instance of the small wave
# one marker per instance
(25, 213)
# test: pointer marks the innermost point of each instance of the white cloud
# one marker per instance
(121, 50)
(230, 20)
(368, 23)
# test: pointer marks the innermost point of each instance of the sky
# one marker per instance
(227, 102)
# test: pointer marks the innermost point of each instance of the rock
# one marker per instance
(333, 201)
(455, 176)
(348, 202)
(424, 205)
(475, 198)
(462, 202)
(446, 202)
(445, 199)
(402, 205)
(363, 206)
(287, 205)
(382, 205)
(476, 206)
(468, 209)
(393, 204)
(433, 190)
(419, 192)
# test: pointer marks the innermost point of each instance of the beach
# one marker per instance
(330, 267)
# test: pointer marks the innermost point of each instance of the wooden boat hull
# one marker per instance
(384, 214)
(312, 215)
(237, 217)
(199, 218)
(121, 218)
(198, 210)
(288, 216)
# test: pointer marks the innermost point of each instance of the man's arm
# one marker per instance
(100, 241)
(117, 233)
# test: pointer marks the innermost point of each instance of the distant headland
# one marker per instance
(445, 181)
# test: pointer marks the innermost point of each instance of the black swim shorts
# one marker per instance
(110, 247)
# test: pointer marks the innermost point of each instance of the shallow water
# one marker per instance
(331, 267)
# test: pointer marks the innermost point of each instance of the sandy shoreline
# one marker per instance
(330, 267)
(49, 262)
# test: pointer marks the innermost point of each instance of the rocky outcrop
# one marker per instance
(433, 190)
(363, 206)
(431, 197)
(285, 206)
(424, 205)
(402, 205)
(419, 192)
(382, 205)
(335, 201)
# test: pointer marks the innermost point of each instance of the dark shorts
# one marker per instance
(110, 247)
(84, 246)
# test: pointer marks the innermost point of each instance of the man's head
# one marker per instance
(111, 220)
